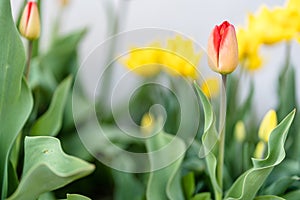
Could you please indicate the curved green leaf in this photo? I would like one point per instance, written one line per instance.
(50, 123)
(165, 183)
(247, 185)
(268, 197)
(202, 196)
(47, 167)
(15, 97)
(294, 195)
(188, 183)
(76, 197)
(209, 138)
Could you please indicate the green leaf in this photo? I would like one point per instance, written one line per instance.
(268, 197)
(202, 196)
(247, 185)
(47, 167)
(188, 182)
(209, 138)
(47, 196)
(59, 59)
(294, 195)
(76, 197)
(281, 185)
(127, 186)
(50, 123)
(165, 183)
(15, 97)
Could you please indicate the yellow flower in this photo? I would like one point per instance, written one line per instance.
(260, 150)
(267, 125)
(211, 87)
(181, 58)
(267, 26)
(240, 131)
(144, 61)
(249, 49)
(147, 123)
(177, 58)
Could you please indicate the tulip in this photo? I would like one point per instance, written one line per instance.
(223, 49)
(267, 125)
(30, 21)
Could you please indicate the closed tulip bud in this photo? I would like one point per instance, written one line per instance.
(223, 49)
(30, 21)
(267, 125)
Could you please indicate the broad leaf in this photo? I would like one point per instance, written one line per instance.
(209, 139)
(165, 183)
(15, 97)
(188, 183)
(294, 195)
(202, 196)
(76, 197)
(268, 197)
(47, 167)
(127, 186)
(50, 123)
(59, 59)
(247, 185)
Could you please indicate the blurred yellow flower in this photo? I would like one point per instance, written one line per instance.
(144, 61)
(249, 50)
(211, 87)
(147, 123)
(181, 58)
(240, 131)
(267, 26)
(178, 58)
(64, 2)
(267, 125)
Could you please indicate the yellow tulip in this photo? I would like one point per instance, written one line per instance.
(240, 131)
(267, 125)
(260, 150)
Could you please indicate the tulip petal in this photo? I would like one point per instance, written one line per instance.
(228, 52)
(212, 50)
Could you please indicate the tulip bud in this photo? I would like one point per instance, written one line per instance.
(260, 150)
(147, 123)
(267, 125)
(30, 21)
(223, 49)
(240, 131)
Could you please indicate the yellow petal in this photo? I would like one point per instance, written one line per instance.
(260, 150)
(267, 125)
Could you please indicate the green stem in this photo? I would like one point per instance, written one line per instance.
(222, 125)
(30, 45)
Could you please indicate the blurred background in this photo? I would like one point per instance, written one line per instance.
(193, 18)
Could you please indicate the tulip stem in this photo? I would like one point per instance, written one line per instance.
(222, 125)
(29, 54)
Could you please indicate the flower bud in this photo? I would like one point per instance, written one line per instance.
(240, 131)
(267, 125)
(30, 21)
(260, 150)
(147, 123)
(223, 49)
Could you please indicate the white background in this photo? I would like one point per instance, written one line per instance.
(194, 18)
